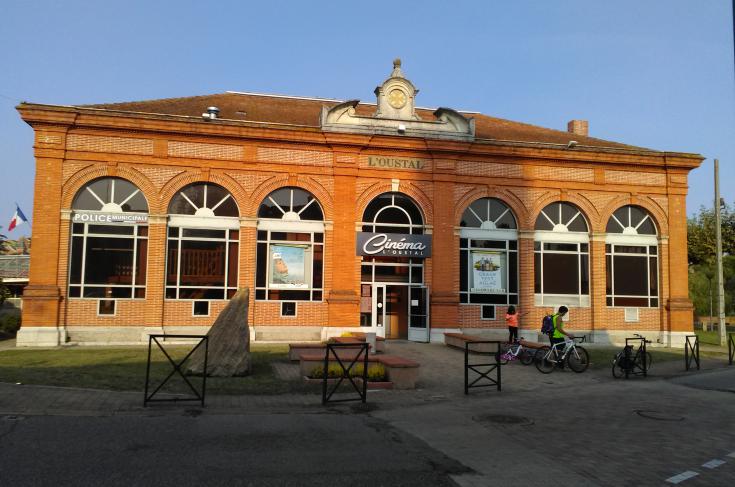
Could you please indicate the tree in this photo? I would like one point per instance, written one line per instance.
(701, 234)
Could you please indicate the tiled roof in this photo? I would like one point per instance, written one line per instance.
(306, 112)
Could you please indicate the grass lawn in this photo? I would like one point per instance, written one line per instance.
(711, 337)
(124, 368)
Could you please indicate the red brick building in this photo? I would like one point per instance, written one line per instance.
(345, 215)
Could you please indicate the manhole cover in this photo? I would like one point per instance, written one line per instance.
(658, 415)
(503, 419)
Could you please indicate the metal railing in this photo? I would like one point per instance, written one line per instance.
(730, 347)
(176, 368)
(691, 351)
(482, 369)
(344, 373)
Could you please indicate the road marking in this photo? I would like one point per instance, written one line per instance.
(682, 477)
(713, 463)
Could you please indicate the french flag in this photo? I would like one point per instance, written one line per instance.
(17, 219)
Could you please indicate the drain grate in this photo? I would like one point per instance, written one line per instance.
(503, 419)
(658, 415)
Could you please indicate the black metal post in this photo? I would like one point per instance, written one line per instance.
(731, 346)
(345, 371)
(645, 358)
(691, 351)
(627, 360)
(176, 369)
(475, 367)
(466, 368)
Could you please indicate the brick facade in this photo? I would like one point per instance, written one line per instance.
(160, 155)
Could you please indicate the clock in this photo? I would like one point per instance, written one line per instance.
(397, 98)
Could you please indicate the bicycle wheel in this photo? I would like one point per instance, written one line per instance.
(543, 364)
(639, 361)
(526, 357)
(578, 359)
(617, 368)
(504, 358)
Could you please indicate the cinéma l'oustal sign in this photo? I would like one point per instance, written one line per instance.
(393, 245)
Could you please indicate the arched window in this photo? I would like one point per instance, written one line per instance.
(392, 213)
(203, 244)
(631, 258)
(488, 255)
(109, 242)
(561, 257)
(290, 248)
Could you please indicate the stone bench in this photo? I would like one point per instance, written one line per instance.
(379, 341)
(458, 340)
(401, 371)
(296, 349)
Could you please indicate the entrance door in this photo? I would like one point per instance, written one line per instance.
(378, 309)
(418, 314)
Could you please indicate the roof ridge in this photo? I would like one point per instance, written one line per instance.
(176, 98)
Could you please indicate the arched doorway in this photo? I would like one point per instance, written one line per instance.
(393, 246)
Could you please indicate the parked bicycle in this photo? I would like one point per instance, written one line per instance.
(566, 352)
(516, 351)
(632, 363)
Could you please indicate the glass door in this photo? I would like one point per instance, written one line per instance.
(418, 314)
(378, 309)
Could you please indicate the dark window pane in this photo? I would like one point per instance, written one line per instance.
(170, 293)
(584, 273)
(463, 270)
(276, 204)
(288, 295)
(647, 227)
(478, 212)
(202, 263)
(407, 204)
(262, 235)
(542, 223)
(488, 312)
(512, 299)
(261, 269)
(417, 274)
(608, 274)
(366, 273)
(172, 263)
(75, 291)
(231, 293)
(219, 197)
(512, 272)
(568, 212)
(232, 265)
(489, 298)
(109, 261)
(141, 266)
(316, 296)
(203, 233)
(288, 309)
(234, 235)
(608, 248)
(391, 274)
(637, 214)
(623, 216)
(653, 250)
(537, 246)
(631, 276)
(201, 308)
(561, 274)
(180, 206)
(78, 228)
(201, 293)
(140, 293)
(128, 196)
(392, 215)
(463, 242)
(537, 272)
(653, 271)
(107, 292)
(513, 245)
(561, 247)
(489, 244)
(318, 237)
(85, 200)
(463, 298)
(318, 266)
(106, 307)
(173, 232)
(260, 294)
(142, 231)
(112, 229)
(583, 247)
(654, 303)
(630, 249)
(609, 301)
(637, 302)
(75, 266)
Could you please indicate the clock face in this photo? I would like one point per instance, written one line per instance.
(397, 98)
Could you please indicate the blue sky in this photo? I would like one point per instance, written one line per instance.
(656, 74)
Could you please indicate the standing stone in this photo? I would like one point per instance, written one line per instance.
(229, 341)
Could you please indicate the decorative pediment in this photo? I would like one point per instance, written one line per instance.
(396, 114)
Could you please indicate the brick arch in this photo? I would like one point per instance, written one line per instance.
(76, 182)
(308, 184)
(510, 199)
(588, 210)
(659, 217)
(235, 189)
(410, 190)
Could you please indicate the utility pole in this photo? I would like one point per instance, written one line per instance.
(718, 237)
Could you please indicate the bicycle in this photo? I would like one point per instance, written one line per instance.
(625, 362)
(516, 351)
(575, 356)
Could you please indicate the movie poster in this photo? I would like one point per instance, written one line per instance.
(488, 272)
(288, 267)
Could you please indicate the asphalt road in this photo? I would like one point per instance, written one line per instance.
(192, 449)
